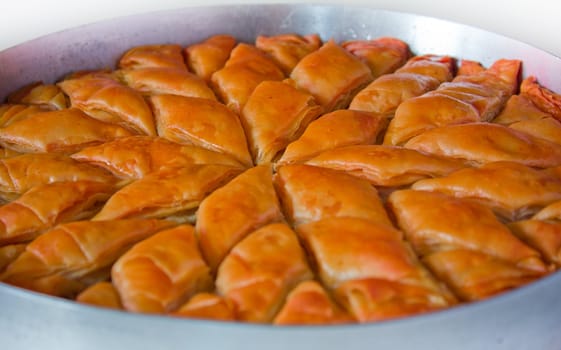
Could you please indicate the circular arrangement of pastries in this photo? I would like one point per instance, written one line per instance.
(286, 181)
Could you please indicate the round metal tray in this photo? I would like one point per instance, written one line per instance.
(526, 318)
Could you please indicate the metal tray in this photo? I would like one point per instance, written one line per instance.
(527, 318)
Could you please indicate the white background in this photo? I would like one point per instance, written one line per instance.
(537, 22)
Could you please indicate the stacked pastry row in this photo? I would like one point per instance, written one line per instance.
(290, 181)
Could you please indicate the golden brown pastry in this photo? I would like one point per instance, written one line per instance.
(276, 114)
(231, 212)
(163, 56)
(332, 75)
(288, 49)
(174, 192)
(176, 81)
(545, 99)
(9, 253)
(547, 128)
(160, 273)
(10, 113)
(136, 156)
(382, 55)
(310, 193)
(260, 271)
(77, 253)
(20, 173)
(473, 275)
(552, 211)
(519, 108)
(64, 131)
(385, 165)
(452, 235)
(543, 235)
(44, 206)
(469, 67)
(419, 75)
(106, 99)
(44, 95)
(480, 143)
(201, 122)
(102, 294)
(207, 306)
(336, 129)
(512, 190)
(375, 299)
(468, 98)
(309, 304)
(208, 56)
(245, 69)
(346, 249)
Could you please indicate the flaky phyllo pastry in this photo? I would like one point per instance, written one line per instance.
(294, 180)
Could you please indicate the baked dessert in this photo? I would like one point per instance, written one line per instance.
(289, 181)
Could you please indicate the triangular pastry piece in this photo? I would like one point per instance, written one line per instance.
(175, 81)
(78, 252)
(311, 193)
(174, 192)
(44, 206)
(47, 96)
(288, 49)
(332, 75)
(245, 69)
(64, 131)
(162, 56)
(207, 306)
(106, 99)
(231, 212)
(137, 156)
(385, 165)
(160, 273)
(512, 190)
(339, 128)
(382, 55)
(480, 143)
(20, 173)
(545, 99)
(543, 235)
(201, 122)
(309, 304)
(11, 113)
(276, 114)
(260, 271)
(208, 56)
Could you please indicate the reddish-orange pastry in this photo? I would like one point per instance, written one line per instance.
(519, 108)
(260, 271)
(20, 173)
(276, 114)
(545, 99)
(162, 56)
(332, 75)
(543, 235)
(382, 55)
(233, 211)
(339, 128)
(309, 304)
(176, 81)
(512, 190)
(44, 206)
(245, 69)
(77, 254)
(136, 156)
(9, 253)
(64, 131)
(207, 306)
(10, 113)
(101, 294)
(160, 273)
(45, 95)
(106, 99)
(288, 49)
(419, 75)
(173, 192)
(385, 165)
(480, 143)
(201, 122)
(310, 193)
(208, 56)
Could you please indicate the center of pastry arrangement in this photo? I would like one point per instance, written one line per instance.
(286, 181)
